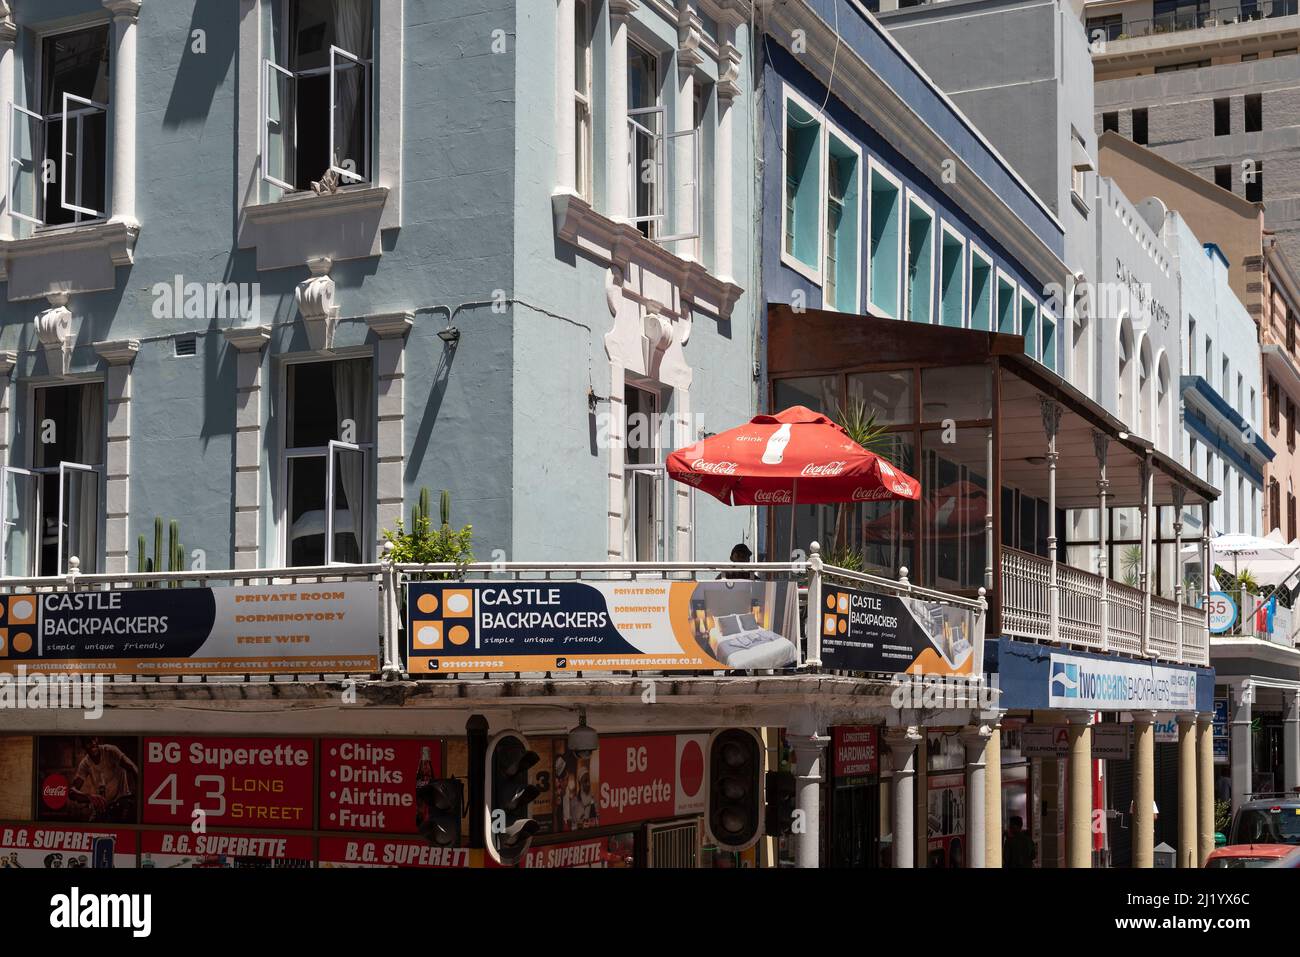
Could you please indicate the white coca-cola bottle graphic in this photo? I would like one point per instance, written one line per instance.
(774, 454)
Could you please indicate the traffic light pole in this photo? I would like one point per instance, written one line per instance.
(809, 746)
(476, 730)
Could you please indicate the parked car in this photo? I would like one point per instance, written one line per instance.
(1254, 855)
(1269, 819)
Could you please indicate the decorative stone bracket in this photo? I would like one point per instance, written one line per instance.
(54, 329)
(316, 304)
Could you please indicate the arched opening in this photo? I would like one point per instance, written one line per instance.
(1145, 398)
(1124, 371)
(1164, 427)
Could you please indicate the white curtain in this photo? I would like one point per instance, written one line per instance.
(352, 27)
(83, 487)
(354, 399)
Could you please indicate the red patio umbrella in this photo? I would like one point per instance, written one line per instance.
(793, 456)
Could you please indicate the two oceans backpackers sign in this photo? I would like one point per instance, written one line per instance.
(240, 629)
(869, 631)
(485, 626)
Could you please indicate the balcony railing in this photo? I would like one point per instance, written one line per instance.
(385, 637)
(1095, 613)
(1191, 18)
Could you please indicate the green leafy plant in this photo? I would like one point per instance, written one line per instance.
(420, 543)
(1222, 816)
(1130, 563)
(862, 427)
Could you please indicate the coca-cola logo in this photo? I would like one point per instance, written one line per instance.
(714, 468)
(779, 496)
(54, 792)
(871, 494)
(824, 469)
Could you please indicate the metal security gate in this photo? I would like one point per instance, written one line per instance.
(673, 845)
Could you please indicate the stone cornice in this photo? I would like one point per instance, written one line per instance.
(118, 352)
(620, 244)
(123, 9)
(247, 338)
(391, 325)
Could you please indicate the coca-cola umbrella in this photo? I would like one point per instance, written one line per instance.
(793, 456)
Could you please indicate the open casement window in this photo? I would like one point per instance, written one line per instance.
(885, 233)
(1008, 320)
(65, 493)
(952, 275)
(327, 462)
(58, 152)
(582, 99)
(920, 261)
(17, 512)
(665, 168)
(317, 94)
(840, 268)
(1029, 326)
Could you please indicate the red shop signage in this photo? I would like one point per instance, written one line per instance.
(855, 751)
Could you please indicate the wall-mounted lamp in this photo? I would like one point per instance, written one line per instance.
(450, 335)
(583, 740)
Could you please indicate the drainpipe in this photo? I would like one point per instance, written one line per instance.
(1148, 478)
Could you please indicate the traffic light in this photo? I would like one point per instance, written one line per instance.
(735, 820)
(509, 829)
(440, 803)
(779, 789)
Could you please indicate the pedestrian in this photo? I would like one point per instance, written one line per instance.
(1018, 849)
(739, 554)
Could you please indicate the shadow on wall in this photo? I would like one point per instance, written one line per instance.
(200, 74)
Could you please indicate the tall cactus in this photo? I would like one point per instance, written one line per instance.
(421, 511)
(444, 506)
(157, 545)
(141, 561)
(175, 550)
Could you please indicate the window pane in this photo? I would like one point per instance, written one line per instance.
(19, 508)
(307, 510)
(350, 538)
(316, 25)
(1029, 326)
(330, 400)
(75, 63)
(886, 219)
(920, 262)
(955, 503)
(956, 392)
(950, 282)
(981, 294)
(1006, 307)
(819, 393)
(69, 425)
(802, 184)
(840, 277)
(281, 104)
(1049, 342)
(887, 394)
(80, 520)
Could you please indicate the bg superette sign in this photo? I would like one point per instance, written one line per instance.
(178, 631)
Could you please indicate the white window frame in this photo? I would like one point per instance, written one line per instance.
(28, 501)
(812, 273)
(947, 229)
(661, 516)
(875, 167)
(584, 112)
(283, 517)
(973, 253)
(82, 215)
(1021, 301)
(346, 177)
(914, 200)
(830, 130)
(1000, 275)
(1046, 314)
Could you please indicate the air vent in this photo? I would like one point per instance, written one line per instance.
(187, 345)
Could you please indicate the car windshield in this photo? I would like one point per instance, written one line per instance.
(1222, 862)
(1268, 826)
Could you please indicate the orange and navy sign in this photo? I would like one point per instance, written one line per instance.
(869, 631)
(17, 625)
(600, 626)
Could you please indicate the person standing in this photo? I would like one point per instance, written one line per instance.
(1018, 849)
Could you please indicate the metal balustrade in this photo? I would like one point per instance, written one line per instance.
(1175, 634)
(1190, 18)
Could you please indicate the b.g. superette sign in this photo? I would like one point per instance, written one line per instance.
(1089, 683)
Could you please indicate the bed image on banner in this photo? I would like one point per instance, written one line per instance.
(601, 626)
(871, 631)
(240, 629)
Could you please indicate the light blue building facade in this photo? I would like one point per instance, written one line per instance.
(272, 266)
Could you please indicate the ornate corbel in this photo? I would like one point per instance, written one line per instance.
(54, 329)
(690, 33)
(657, 330)
(8, 29)
(315, 297)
